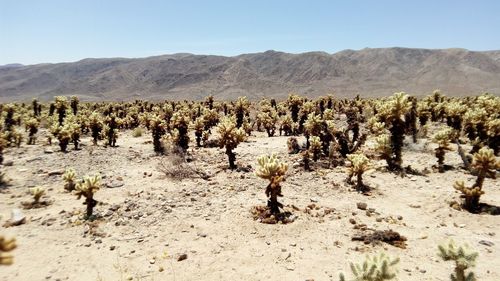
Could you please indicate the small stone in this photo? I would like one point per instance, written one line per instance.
(152, 261)
(16, 218)
(114, 184)
(8, 163)
(486, 243)
(423, 271)
(48, 151)
(352, 221)
(379, 219)
(416, 206)
(314, 200)
(400, 218)
(202, 235)
(112, 248)
(182, 257)
(56, 172)
(361, 205)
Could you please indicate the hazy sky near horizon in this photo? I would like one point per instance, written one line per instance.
(68, 30)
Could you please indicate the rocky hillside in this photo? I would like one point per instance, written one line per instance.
(368, 72)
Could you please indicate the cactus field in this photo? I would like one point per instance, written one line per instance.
(394, 188)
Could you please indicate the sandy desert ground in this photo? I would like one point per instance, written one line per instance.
(148, 221)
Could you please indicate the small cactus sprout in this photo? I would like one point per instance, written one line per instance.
(272, 169)
(359, 164)
(230, 137)
(485, 164)
(6, 245)
(315, 147)
(69, 177)
(37, 192)
(375, 268)
(463, 257)
(442, 138)
(87, 188)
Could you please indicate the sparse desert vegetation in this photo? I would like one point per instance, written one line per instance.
(162, 182)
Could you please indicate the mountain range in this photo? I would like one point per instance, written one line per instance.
(367, 72)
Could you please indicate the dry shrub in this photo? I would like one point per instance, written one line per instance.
(175, 166)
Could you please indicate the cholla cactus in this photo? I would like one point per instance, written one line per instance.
(69, 177)
(241, 109)
(64, 136)
(463, 257)
(180, 122)
(493, 132)
(268, 119)
(32, 128)
(376, 268)
(272, 169)
(313, 125)
(485, 164)
(383, 147)
(157, 126)
(392, 113)
(111, 129)
(287, 125)
(61, 104)
(6, 245)
(37, 192)
(442, 138)
(375, 127)
(74, 101)
(315, 147)
(230, 137)
(294, 104)
(95, 125)
(359, 164)
(198, 127)
(87, 188)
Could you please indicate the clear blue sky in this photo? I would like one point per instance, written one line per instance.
(68, 30)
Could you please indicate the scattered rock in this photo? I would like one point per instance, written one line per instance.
(8, 163)
(48, 151)
(486, 243)
(114, 184)
(112, 248)
(352, 221)
(182, 257)
(361, 205)
(16, 218)
(56, 172)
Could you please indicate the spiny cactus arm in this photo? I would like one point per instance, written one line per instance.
(6, 245)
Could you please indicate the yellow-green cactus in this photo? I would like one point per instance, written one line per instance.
(229, 137)
(87, 188)
(37, 192)
(463, 257)
(6, 245)
(274, 170)
(359, 164)
(315, 147)
(485, 164)
(374, 268)
(69, 177)
(442, 138)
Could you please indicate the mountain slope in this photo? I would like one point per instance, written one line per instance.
(368, 72)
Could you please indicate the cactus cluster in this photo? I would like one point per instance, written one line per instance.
(463, 257)
(485, 165)
(375, 268)
(229, 138)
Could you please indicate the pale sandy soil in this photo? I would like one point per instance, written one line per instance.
(210, 220)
